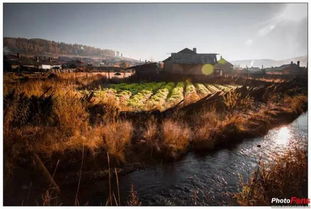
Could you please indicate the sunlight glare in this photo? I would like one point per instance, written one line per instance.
(294, 12)
(282, 136)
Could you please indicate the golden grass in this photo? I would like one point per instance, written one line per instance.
(234, 100)
(71, 115)
(191, 98)
(286, 177)
(176, 136)
(117, 137)
(68, 129)
(203, 134)
(151, 130)
(296, 103)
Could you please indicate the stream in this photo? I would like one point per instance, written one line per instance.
(208, 179)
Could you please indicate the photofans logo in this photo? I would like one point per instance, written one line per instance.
(292, 201)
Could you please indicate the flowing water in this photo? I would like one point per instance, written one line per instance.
(208, 179)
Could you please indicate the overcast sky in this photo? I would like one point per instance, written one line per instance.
(152, 31)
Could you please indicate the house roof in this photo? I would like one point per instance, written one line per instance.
(167, 59)
(187, 51)
(289, 65)
(188, 56)
(222, 61)
(147, 66)
(292, 66)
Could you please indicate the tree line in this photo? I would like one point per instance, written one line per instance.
(42, 47)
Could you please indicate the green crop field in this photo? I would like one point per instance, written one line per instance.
(155, 95)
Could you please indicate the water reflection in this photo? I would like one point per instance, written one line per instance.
(282, 136)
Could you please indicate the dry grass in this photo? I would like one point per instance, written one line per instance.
(133, 198)
(151, 130)
(285, 178)
(117, 137)
(50, 198)
(176, 136)
(296, 103)
(191, 98)
(234, 100)
(61, 122)
(204, 130)
(71, 114)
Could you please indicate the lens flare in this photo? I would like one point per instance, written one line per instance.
(207, 69)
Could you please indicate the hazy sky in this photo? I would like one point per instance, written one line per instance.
(152, 31)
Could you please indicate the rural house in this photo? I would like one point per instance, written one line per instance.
(146, 70)
(292, 68)
(189, 62)
(288, 69)
(46, 66)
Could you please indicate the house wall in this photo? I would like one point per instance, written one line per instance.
(45, 67)
(196, 69)
(185, 69)
(168, 67)
(15, 66)
(57, 66)
(292, 70)
(226, 68)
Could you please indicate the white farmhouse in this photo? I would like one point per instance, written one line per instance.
(49, 66)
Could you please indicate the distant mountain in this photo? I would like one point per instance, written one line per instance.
(52, 48)
(270, 62)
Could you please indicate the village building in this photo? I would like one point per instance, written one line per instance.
(17, 63)
(288, 69)
(50, 66)
(76, 63)
(11, 63)
(291, 68)
(189, 62)
(145, 71)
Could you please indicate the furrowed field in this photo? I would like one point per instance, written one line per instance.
(155, 95)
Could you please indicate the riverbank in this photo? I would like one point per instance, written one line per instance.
(234, 131)
(200, 179)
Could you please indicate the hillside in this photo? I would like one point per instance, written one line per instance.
(52, 48)
(270, 62)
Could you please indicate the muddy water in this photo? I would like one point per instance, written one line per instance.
(206, 179)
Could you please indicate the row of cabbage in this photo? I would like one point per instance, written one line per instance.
(139, 99)
(157, 95)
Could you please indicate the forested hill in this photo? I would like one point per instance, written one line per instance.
(46, 47)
